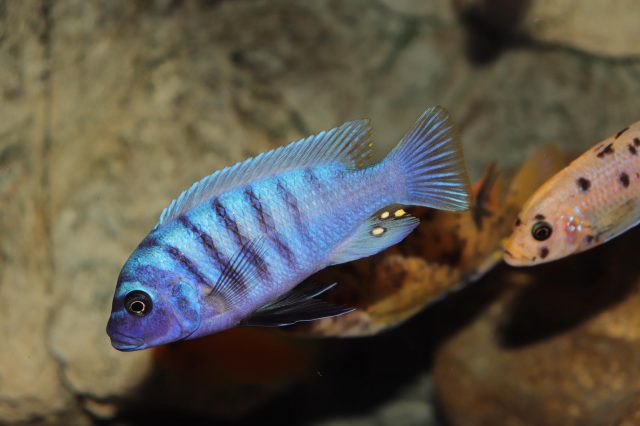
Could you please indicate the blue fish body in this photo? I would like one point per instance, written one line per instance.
(234, 247)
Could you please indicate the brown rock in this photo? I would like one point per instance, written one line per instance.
(562, 350)
(112, 108)
(29, 381)
(579, 24)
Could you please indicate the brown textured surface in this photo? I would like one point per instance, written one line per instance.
(558, 346)
(111, 108)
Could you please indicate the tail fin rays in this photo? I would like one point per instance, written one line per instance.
(430, 159)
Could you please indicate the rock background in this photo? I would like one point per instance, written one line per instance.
(111, 108)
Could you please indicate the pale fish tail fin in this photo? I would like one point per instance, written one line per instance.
(429, 164)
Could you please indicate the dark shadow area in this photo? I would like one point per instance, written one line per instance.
(348, 377)
(568, 292)
(351, 377)
(493, 26)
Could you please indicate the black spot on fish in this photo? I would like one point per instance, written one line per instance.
(518, 221)
(633, 150)
(636, 141)
(544, 252)
(583, 183)
(605, 151)
(589, 239)
(624, 179)
(621, 132)
(539, 217)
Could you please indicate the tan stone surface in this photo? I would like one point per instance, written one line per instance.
(605, 28)
(29, 377)
(559, 350)
(602, 27)
(111, 108)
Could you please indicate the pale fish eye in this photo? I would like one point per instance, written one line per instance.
(541, 231)
(138, 303)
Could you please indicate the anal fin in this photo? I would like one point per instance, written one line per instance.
(380, 231)
(299, 304)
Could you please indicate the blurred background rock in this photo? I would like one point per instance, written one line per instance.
(110, 108)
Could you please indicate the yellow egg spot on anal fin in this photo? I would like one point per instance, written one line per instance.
(399, 213)
(378, 230)
(384, 215)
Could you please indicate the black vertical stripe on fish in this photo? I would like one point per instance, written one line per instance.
(232, 285)
(148, 242)
(232, 226)
(291, 202)
(220, 260)
(268, 227)
(186, 263)
(311, 179)
(264, 219)
(229, 223)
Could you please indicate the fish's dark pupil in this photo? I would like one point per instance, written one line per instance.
(138, 303)
(541, 231)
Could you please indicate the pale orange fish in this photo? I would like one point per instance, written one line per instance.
(589, 202)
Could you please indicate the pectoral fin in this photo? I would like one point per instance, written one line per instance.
(299, 304)
(619, 220)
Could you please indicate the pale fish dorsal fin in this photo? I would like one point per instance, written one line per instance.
(380, 231)
(299, 304)
(349, 144)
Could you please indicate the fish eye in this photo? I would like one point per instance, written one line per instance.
(138, 303)
(540, 231)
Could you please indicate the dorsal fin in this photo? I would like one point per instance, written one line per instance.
(349, 144)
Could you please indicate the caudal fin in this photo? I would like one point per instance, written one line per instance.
(429, 158)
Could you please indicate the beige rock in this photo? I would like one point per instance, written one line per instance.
(29, 383)
(112, 108)
(441, 9)
(600, 27)
(562, 350)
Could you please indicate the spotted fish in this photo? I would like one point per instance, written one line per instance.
(233, 248)
(589, 202)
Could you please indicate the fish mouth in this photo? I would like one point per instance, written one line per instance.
(125, 343)
(513, 257)
(514, 260)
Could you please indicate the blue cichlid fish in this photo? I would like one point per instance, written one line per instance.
(232, 249)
